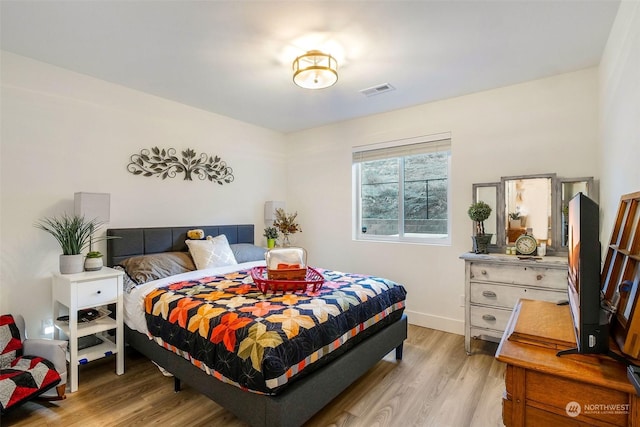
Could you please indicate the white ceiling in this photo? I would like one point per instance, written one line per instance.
(234, 57)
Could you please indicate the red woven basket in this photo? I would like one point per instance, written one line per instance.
(313, 279)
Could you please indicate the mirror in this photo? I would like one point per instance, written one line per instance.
(488, 193)
(566, 188)
(528, 207)
(536, 202)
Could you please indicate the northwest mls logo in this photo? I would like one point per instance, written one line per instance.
(573, 409)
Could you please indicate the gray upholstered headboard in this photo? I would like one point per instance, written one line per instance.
(141, 241)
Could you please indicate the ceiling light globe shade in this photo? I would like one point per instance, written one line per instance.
(315, 70)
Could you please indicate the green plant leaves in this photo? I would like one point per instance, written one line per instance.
(73, 233)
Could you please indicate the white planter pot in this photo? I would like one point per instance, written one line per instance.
(70, 264)
(93, 264)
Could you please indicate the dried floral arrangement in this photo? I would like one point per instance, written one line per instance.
(286, 223)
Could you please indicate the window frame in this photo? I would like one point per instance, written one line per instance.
(357, 233)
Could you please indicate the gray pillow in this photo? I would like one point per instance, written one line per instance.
(145, 268)
(246, 252)
(127, 283)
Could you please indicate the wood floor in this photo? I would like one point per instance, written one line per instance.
(436, 384)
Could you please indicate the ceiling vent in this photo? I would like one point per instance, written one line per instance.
(376, 90)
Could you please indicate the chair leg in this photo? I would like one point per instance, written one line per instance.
(60, 390)
(61, 396)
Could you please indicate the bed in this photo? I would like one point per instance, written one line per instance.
(267, 392)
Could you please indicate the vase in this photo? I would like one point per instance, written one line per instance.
(481, 242)
(93, 264)
(271, 243)
(70, 264)
(285, 241)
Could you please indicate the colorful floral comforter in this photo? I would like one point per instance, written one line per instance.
(231, 330)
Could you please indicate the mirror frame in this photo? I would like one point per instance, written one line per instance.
(591, 193)
(499, 213)
(556, 199)
(503, 205)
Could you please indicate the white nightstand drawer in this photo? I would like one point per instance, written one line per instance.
(97, 292)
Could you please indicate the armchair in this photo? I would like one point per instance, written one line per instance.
(28, 367)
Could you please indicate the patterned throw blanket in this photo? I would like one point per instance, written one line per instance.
(231, 330)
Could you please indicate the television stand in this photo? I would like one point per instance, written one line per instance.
(543, 389)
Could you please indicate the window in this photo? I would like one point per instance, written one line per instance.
(401, 190)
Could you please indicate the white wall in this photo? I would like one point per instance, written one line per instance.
(620, 114)
(64, 132)
(542, 126)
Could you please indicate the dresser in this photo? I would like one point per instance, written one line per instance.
(543, 389)
(495, 282)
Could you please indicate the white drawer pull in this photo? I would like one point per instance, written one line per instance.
(488, 317)
(488, 294)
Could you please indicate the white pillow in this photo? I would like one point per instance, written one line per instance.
(210, 253)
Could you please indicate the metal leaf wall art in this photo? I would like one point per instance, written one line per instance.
(165, 164)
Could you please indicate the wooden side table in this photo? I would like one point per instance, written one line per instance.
(89, 289)
(543, 389)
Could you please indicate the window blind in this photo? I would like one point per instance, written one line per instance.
(401, 148)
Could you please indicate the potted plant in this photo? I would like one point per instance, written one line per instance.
(479, 212)
(514, 220)
(286, 225)
(93, 261)
(271, 233)
(74, 234)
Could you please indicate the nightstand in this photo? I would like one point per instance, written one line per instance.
(89, 289)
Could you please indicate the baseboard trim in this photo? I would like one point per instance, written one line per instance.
(445, 324)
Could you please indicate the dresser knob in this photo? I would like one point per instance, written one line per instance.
(488, 294)
(99, 292)
(484, 272)
(539, 277)
(488, 317)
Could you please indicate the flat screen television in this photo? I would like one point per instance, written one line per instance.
(590, 318)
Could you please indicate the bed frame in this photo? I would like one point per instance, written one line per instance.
(303, 397)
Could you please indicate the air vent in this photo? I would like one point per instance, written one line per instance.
(376, 90)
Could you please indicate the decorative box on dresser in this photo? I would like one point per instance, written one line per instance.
(495, 282)
(90, 289)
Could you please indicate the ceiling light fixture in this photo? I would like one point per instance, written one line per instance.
(315, 70)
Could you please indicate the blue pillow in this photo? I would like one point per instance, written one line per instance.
(246, 252)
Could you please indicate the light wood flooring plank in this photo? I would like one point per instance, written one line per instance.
(436, 384)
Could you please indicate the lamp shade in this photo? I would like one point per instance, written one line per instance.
(270, 211)
(315, 70)
(93, 206)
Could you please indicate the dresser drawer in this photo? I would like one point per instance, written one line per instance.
(507, 296)
(491, 318)
(97, 292)
(594, 400)
(520, 275)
